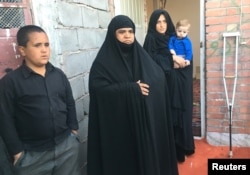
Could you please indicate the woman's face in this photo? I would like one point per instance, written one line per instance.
(125, 35)
(161, 25)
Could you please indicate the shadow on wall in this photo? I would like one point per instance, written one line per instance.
(5, 164)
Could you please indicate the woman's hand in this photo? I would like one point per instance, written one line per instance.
(176, 66)
(144, 88)
(180, 61)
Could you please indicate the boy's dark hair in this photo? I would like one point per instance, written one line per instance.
(23, 34)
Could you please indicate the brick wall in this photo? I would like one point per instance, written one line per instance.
(223, 16)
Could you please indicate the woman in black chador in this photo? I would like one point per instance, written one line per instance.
(130, 128)
(179, 80)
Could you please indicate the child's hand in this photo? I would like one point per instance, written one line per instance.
(179, 60)
(187, 62)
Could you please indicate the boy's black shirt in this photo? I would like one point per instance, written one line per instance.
(36, 112)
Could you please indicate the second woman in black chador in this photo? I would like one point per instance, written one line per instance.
(179, 80)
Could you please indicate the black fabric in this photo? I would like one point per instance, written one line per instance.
(36, 112)
(181, 90)
(128, 133)
(6, 167)
(179, 80)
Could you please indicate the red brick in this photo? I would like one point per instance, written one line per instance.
(213, 74)
(216, 116)
(214, 95)
(232, 19)
(245, 9)
(245, 2)
(245, 130)
(214, 20)
(213, 109)
(214, 59)
(233, 11)
(214, 122)
(216, 28)
(245, 109)
(245, 26)
(212, 4)
(214, 67)
(226, 3)
(212, 36)
(215, 129)
(216, 12)
(247, 123)
(244, 73)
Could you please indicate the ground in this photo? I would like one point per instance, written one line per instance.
(196, 164)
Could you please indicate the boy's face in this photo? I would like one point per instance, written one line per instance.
(37, 50)
(182, 31)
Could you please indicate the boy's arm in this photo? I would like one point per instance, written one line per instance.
(70, 102)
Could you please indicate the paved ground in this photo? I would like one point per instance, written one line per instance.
(194, 165)
(197, 163)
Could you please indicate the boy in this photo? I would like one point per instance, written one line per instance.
(180, 44)
(37, 111)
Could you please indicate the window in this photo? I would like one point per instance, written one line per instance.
(132, 8)
(13, 14)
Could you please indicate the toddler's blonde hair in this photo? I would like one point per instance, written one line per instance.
(183, 22)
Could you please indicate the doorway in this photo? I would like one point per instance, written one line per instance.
(14, 14)
(194, 11)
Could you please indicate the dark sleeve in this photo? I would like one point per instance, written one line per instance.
(170, 43)
(110, 117)
(71, 109)
(7, 123)
(162, 57)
